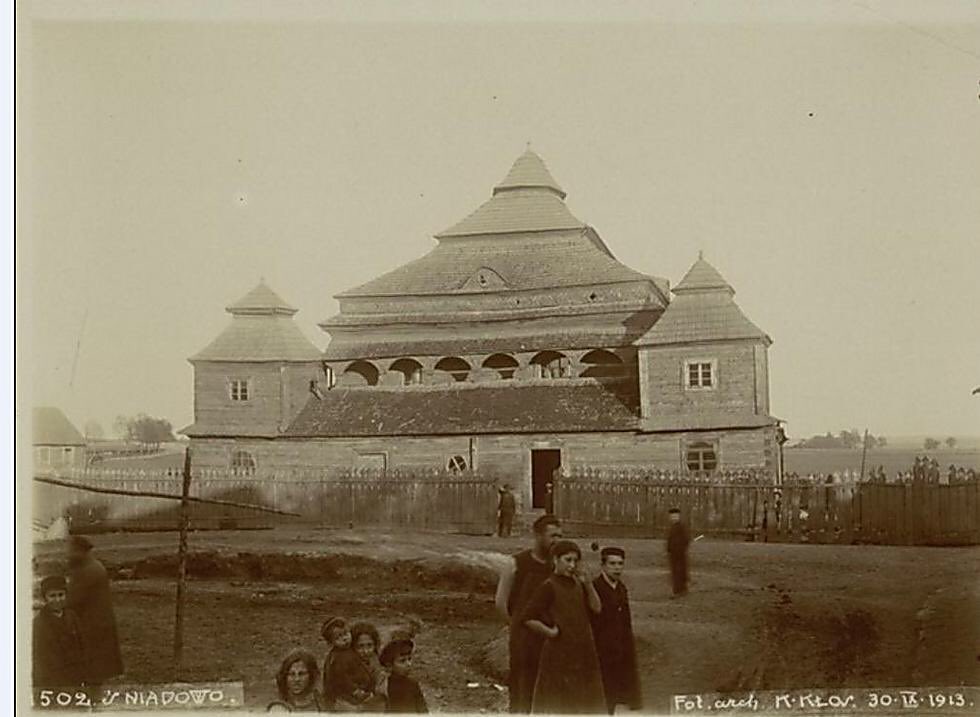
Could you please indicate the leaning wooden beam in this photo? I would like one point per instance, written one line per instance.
(166, 496)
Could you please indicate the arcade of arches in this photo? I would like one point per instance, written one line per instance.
(549, 364)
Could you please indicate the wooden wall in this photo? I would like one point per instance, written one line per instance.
(741, 381)
(277, 392)
(504, 457)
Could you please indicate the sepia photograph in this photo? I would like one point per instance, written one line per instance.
(497, 358)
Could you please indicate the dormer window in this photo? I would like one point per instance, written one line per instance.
(238, 389)
(700, 374)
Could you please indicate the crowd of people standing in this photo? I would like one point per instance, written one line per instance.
(571, 643)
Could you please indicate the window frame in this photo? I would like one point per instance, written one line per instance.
(712, 363)
(233, 382)
(243, 469)
(701, 445)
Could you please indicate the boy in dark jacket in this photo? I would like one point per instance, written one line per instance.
(404, 694)
(612, 629)
(678, 540)
(57, 641)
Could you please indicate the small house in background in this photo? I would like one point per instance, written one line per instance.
(57, 443)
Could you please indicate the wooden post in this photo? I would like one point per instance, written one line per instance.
(182, 564)
(864, 455)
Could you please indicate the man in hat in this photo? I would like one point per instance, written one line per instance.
(522, 575)
(90, 598)
(506, 509)
(403, 693)
(612, 629)
(678, 540)
(57, 642)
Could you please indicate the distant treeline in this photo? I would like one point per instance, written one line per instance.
(844, 439)
(853, 439)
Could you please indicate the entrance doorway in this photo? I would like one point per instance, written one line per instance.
(544, 463)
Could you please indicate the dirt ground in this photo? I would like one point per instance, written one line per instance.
(759, 616)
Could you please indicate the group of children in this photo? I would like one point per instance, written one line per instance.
(358, 674)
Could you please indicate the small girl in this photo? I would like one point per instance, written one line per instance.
(355, 677)
(569, 680)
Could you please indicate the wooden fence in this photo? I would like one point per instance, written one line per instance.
(437, 500)
(892, 514)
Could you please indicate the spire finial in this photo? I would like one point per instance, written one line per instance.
(527, 146)
(700, 254)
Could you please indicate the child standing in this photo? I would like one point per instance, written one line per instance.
(338, 638)
(613, 631)
(404, 694)
(569, 680)
(57, 643)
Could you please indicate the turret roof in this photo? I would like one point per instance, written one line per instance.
(262, 329)
(260, 300)
(527, 200)
(529, 172)
(702, 276)
(703, 310)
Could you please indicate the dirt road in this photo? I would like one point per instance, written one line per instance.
(759, 616)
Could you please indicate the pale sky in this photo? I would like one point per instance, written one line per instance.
(828, 165)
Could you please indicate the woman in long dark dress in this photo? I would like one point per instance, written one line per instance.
(569, 680)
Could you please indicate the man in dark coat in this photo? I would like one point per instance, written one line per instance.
(678, 540)
(57, 642)
(89, 597)
(524, 573)
(506, 509)
(613, 632)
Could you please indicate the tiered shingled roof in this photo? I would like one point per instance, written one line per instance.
(538, 244)
(703, 310)
(51, 427)
(528, 200)
(261, 329)
(566, 258)
(558, 407)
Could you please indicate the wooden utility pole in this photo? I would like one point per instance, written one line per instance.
(864, 455)
(182, 564)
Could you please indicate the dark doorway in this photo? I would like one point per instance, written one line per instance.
(544, 463)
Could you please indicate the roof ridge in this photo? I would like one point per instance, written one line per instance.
(261, 300)
(702, 276)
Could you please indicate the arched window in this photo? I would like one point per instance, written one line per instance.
(551, 364)
(242, 462)
(456, 464)
(503, 364)
(455, 367)
(601, 364)
(702, 459)
(410, 369)
(362, 373)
